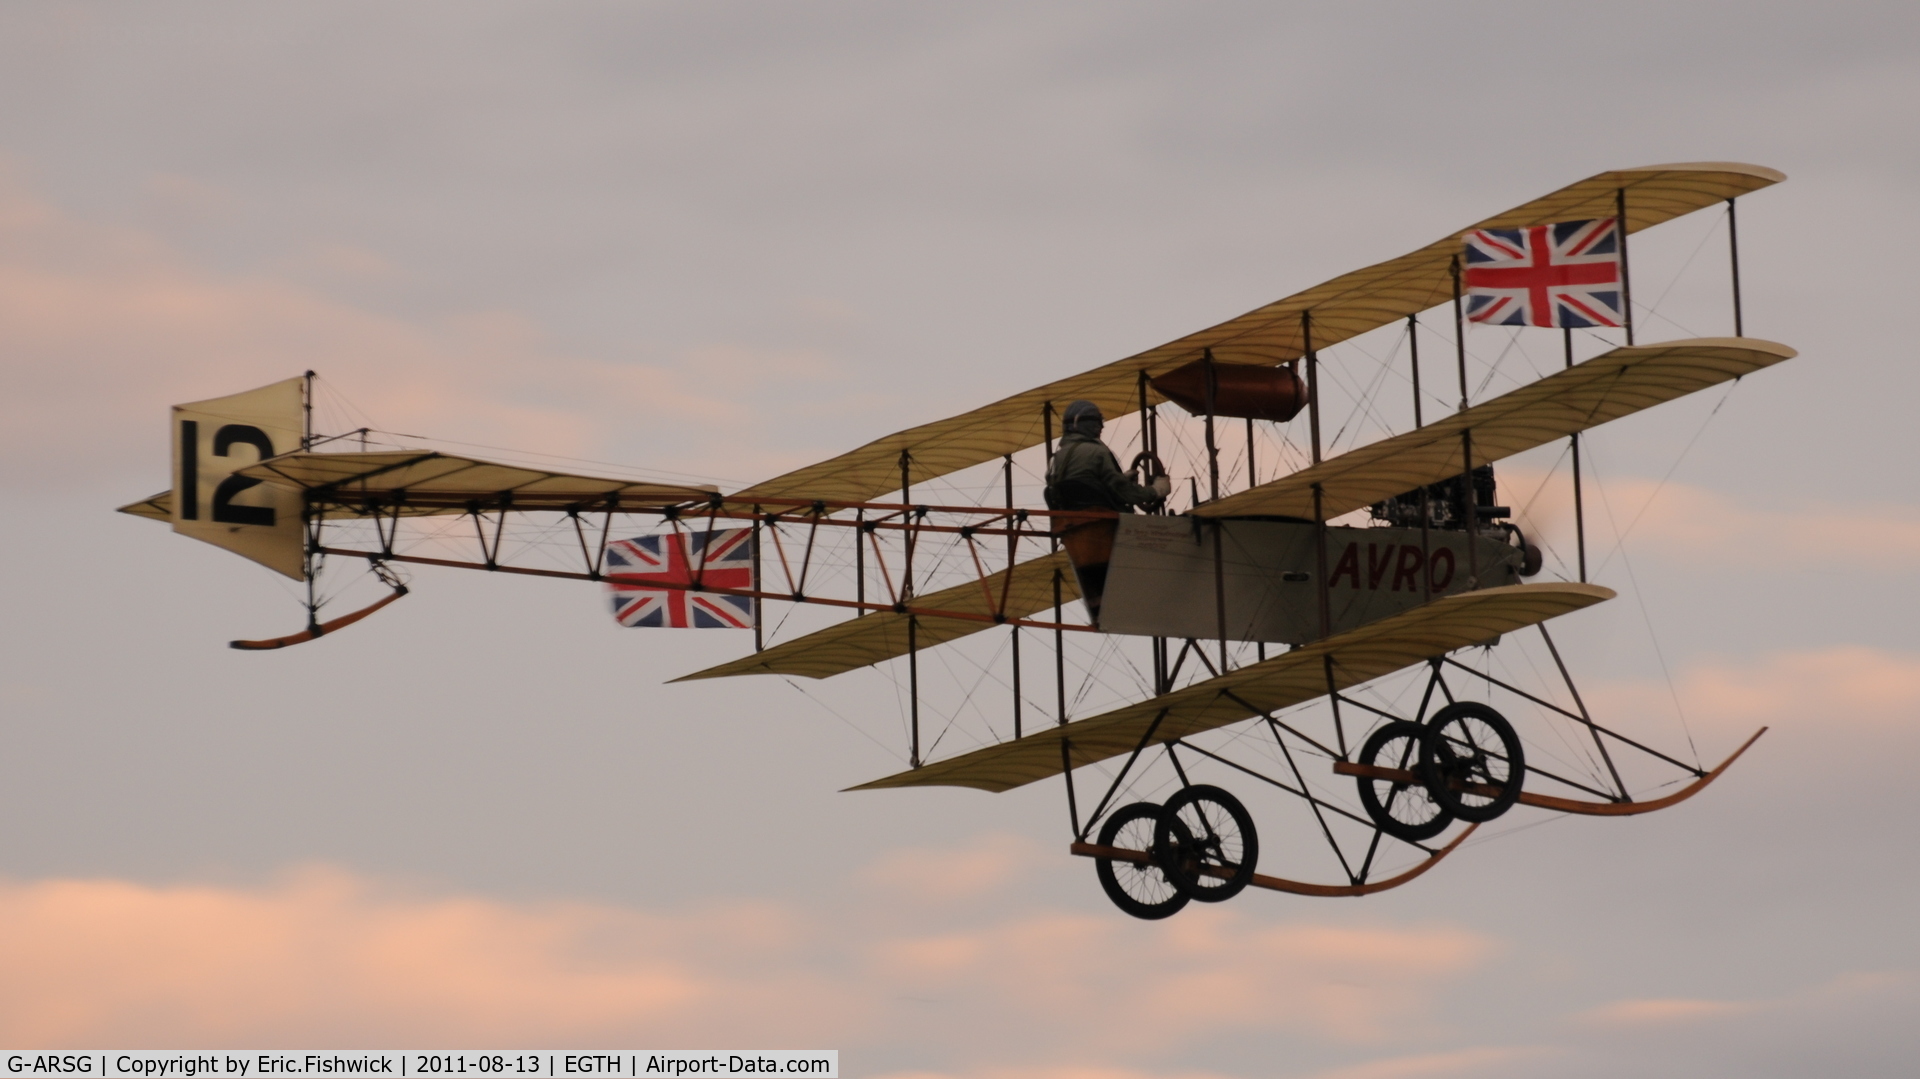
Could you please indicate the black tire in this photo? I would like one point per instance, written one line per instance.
(1470, 744)
(1142, 889)
(1402, 810)
(1209, 841)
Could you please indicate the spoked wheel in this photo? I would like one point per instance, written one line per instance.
(1404, 810)
(1214, 858)
(1472, 761)
(1142, 889)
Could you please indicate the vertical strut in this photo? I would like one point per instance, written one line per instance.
(1213, 451)
(1059, 654)
(1472, 500)
(1320, 567)
(1413, 346)
(1733, 252)
(759, 631)
(1013, 552)
(1459, 333)
(1626, 280)
(1220, 588)
(1319, 517)
(1469, 498)
(1313, 381)
(306, 411)
(1579, 505)
(859, 561)
(913, 684)
(1213, 495)
(1252, 479)
(909, 534)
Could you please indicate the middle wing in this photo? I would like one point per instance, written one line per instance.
(1606, 387)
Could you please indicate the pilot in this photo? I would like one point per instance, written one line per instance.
(1084, 474)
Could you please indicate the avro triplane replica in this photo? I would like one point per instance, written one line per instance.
(1328, 630)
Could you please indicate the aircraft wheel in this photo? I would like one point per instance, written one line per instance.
(1473, 747)
(1402, 810)
(1214, 858)
(1142, 889)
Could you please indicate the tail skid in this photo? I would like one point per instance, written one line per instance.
(321, 628)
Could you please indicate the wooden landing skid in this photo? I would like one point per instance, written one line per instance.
(1281, 884)
(1565, 805)
(320, 630)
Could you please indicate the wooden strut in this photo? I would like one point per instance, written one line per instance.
(1564, 805)
(1281, 884)
(323, 628)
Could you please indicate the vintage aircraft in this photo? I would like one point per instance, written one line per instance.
(1176, 608)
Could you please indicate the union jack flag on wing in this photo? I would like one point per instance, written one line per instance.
(689, 560)
(1565, 274)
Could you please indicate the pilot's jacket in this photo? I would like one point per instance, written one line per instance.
(1085, 475)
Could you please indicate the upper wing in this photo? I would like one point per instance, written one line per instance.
(1585, 395)
(1372, 651)
(1344, 307)
(423, 483)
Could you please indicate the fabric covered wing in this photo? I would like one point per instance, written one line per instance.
(862, 642)
(1606, 387)
(1344, 307)
(1372, 651)
(425, 483)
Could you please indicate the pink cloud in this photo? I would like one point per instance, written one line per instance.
(326, 957)
(1699, 526)
(1217, 969)
(1850, 989)
(323, 956)
(1474, 1061)
(1852, 684)
(948, 875)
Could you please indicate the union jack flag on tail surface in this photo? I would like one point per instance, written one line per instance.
(1565, 274)
(722, 559)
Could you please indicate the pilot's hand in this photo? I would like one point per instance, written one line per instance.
(1162, 486)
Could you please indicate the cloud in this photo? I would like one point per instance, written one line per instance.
(107, 326)
(948, 875)
(1858, 685)
(1697, 526)
(325, 956)
(1474, 1061)
(1639, 1013)
(1216, 970)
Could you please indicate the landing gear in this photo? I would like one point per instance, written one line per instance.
(1402, 809)
(1141, 888)
(1472, 761)
(1216, 859)
(1200, 845)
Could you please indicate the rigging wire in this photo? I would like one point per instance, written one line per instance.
(835, 714)
(1639, 599)
(1648, 504)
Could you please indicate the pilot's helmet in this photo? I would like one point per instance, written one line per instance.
(1084, 417)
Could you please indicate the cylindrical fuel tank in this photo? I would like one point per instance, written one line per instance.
(1240, 390)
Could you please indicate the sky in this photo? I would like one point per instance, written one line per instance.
(730, 239)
